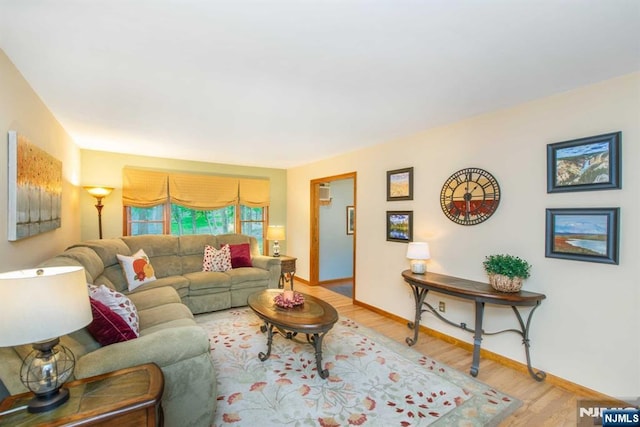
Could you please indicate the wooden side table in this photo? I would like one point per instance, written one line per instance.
(128, 397)
(287, 270)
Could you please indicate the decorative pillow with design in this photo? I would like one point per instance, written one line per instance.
(240, 255)
(137, 269)
(216, 259)
(119, 304)
(107, 327)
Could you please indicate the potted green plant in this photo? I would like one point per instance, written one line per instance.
(506, 272)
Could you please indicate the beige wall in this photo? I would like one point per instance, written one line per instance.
(102, 168)
(586, 330)
(23, 111)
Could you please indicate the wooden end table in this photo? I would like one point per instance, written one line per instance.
(287, 270)
(314, 318)
(128, 397)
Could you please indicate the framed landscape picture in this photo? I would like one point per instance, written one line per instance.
(400, 184)
(399, 226)
(583, 234)
(584, 164)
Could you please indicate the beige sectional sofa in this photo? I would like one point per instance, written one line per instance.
(169, 335)
(177, 262)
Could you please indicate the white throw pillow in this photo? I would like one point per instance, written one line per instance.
(216, 259)
(118, 303)
(137, 269)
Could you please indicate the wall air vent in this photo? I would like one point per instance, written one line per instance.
(325, 192)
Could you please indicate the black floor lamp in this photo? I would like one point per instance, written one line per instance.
(99, 193)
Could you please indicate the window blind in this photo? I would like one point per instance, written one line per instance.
(203, 192)
(144, 189)
(255, 192)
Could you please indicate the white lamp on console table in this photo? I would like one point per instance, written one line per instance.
(418, 253)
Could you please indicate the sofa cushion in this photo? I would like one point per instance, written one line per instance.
(107, 327)
(194, 244)
(163, 314)
(240, 255)
(137, 269)
(118, 303)
(240, 277)
(203, 282)
(106, 249)
(216, 259)
(179, 283)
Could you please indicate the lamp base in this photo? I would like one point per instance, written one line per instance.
(44, 403)
(44, 371)
(418, 266)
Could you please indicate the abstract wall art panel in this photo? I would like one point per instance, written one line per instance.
(35, 189)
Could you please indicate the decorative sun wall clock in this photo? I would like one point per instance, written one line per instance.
(470, 196)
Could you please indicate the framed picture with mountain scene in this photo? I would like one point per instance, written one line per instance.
(583, 234)
(584, 164)
(399, 226)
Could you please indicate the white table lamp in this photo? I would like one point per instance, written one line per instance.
(275, 233)
(38, 306)
(418, 253)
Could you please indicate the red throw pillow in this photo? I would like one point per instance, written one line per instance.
(240, 255)
(108, 327)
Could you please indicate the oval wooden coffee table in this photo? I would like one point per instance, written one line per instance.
(314, 318)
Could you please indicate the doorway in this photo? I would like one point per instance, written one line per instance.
(333, 239)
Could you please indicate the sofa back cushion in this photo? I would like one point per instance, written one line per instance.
(192, 251)
(107, 251)
(162, 250)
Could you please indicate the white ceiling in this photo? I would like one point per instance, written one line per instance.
(281, 83)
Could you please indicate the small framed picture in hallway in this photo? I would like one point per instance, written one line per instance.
(351, 219)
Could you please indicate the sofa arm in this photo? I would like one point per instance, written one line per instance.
(154, 297)
(164, 347)
(269, 263)
(265, 262)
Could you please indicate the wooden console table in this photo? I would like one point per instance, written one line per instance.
(481, 293)
(126, 398)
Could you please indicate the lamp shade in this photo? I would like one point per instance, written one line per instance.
(41, 304)
(418, 250)
(275, 232)
(98, 191)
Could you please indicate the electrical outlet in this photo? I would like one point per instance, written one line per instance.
(442, 307)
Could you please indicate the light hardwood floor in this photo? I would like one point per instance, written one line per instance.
(543, 404)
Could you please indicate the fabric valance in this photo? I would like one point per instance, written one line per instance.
(203, 192)
(255, 192)
(144, 189)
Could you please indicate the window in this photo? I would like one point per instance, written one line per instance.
(190, 221)
(185, 221)
(145, 220)
(252, 223)
(158, 202)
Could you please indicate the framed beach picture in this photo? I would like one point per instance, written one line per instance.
(584, 164)
(399, 226)
(400, 184)
(583, 234)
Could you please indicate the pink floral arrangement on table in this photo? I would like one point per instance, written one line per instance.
(288, 299)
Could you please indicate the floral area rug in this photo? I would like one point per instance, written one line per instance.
(373, 380)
